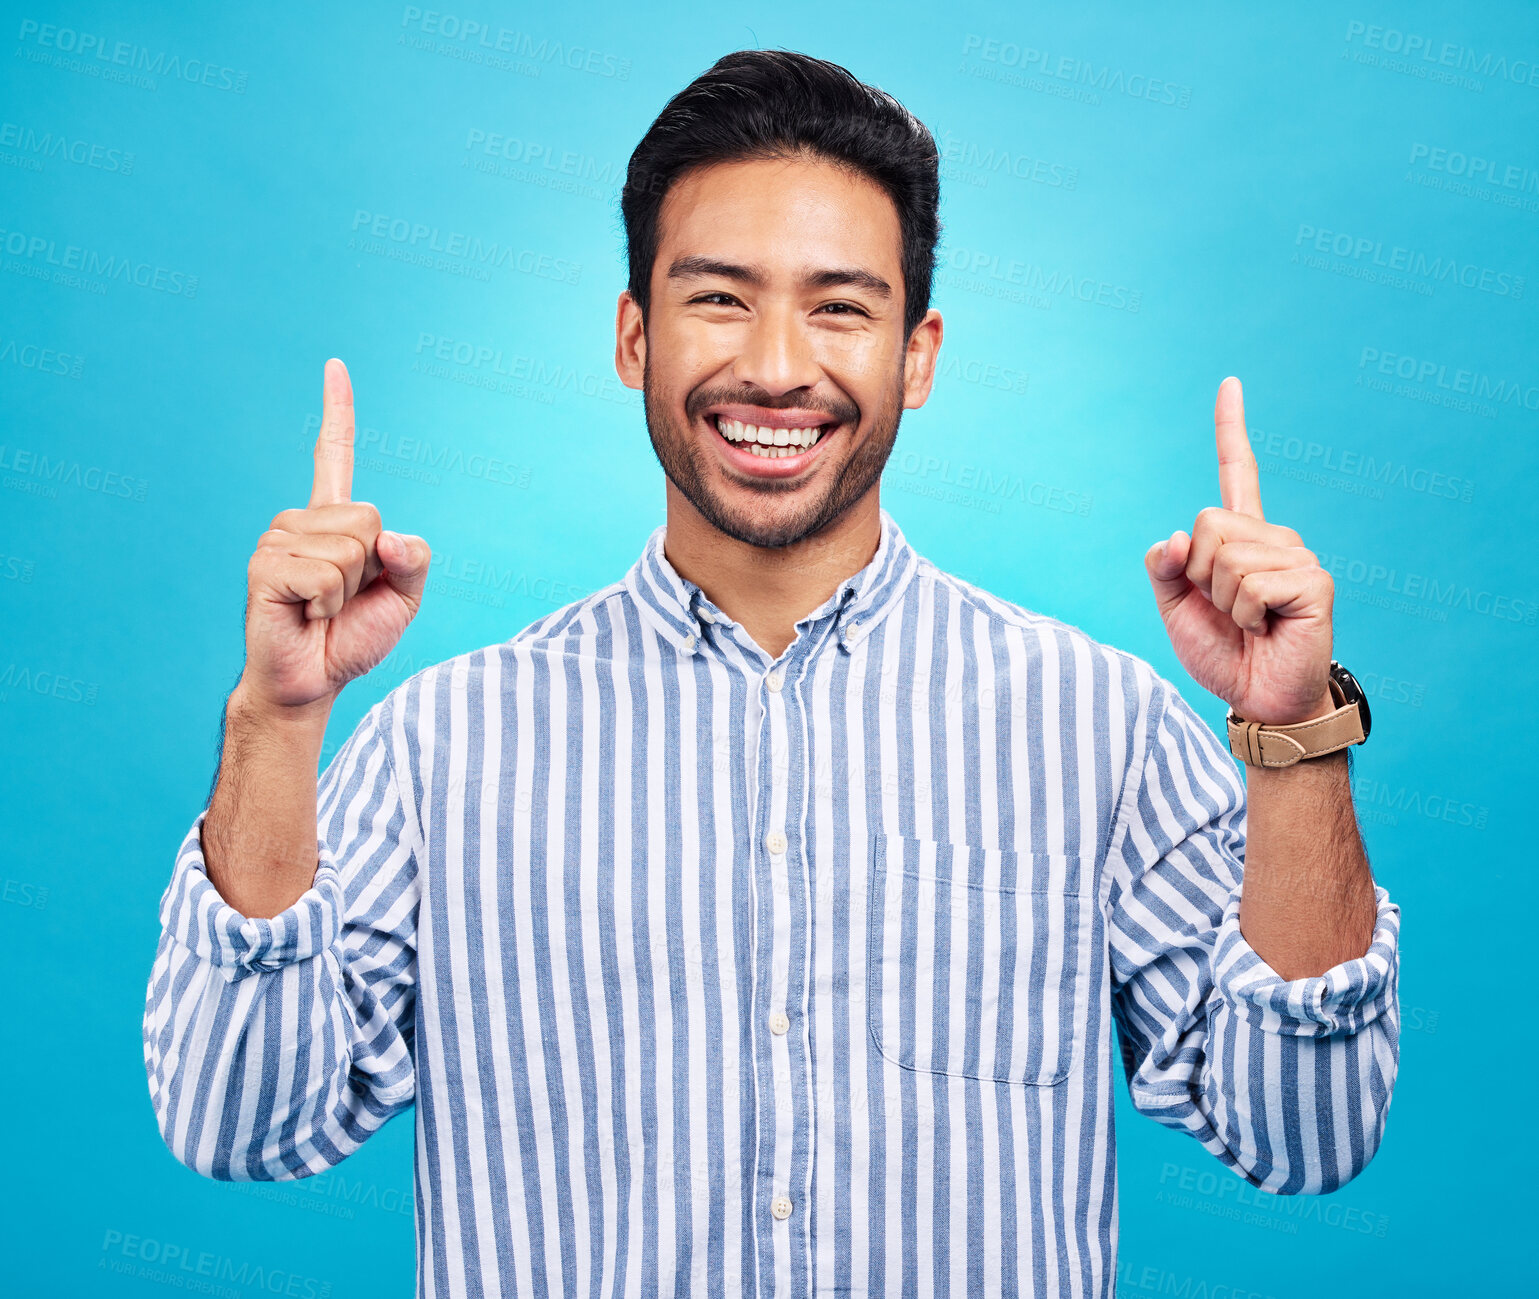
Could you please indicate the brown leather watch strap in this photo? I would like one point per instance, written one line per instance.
(1258, 745)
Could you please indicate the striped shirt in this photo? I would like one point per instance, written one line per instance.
(711, 973)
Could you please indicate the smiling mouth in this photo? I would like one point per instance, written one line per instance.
(769, 443)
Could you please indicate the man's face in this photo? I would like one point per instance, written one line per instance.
(777, 304)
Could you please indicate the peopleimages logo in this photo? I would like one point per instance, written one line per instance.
(1385, 804)
(976, 164)
(1426, 55)
(536, 153)
(514, 374)
(989, 273)
(1469, 175)
(45, 360)
(34, 146)
(1472, 167)
(470, 33)
(39, 474)
(419, 244)
(1421, 595)
(40, 253)
(1265, 1208)
(1466, 383)
(202, 1271)
(979, 486)
(986, 374)
(1361, 473)
(1077, 72)
(43, 681)
(427, 458)
(106, 55)
(1365, 257)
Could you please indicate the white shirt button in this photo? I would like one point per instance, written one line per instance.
(852, 633)
(779, 1022)
(706, 615)
(775, 841)
(690, 642)
(775, 679)
(780, 1207)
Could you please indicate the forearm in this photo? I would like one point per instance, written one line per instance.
(1307, 902)
(259, 838)
(317, 1001)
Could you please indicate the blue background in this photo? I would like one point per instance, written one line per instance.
(151, 431)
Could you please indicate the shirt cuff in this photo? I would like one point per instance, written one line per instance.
(1346, 998)
(193, 912)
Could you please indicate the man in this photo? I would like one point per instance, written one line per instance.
(759, 923)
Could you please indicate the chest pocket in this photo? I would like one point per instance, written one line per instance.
(978, 960)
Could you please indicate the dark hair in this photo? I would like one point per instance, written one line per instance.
(755, 104)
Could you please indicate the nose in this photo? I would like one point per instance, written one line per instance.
(777, 354)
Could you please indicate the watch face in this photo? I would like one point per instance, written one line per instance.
(1354, 694)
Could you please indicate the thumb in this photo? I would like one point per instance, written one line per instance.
(1165, 562)
(406, 560)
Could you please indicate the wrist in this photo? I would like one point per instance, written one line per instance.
(247, 710)
(1330, 725)
(1326, 705)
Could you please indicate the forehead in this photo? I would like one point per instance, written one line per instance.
(789, 211)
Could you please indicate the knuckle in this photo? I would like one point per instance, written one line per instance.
(369, 513)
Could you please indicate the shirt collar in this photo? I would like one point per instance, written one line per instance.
(684, 616)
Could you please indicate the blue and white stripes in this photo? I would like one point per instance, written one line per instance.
(710, 974)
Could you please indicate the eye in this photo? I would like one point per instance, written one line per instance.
(726, 299)
(843, 309)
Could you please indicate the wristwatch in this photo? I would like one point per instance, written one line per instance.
(1258, 745)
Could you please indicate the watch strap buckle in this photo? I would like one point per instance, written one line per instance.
(1245, 742)
(1258, 745)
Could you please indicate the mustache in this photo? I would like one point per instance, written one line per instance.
(840, 410)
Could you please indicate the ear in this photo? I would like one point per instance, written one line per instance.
(630, 342)
(919, 360)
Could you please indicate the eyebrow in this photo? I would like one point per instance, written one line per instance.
(686, 268)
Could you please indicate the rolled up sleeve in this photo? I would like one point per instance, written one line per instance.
(195, 915)
(1286, 1081)
(274, 1047)
(1345, 999)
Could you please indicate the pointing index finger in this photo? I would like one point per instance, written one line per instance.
(333, 484)
(1239, 482)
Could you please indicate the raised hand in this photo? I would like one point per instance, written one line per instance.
(328, 593)
(1246, 606)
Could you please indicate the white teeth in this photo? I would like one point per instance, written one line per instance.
(767, 443)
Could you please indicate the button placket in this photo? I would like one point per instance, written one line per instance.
(780, 705)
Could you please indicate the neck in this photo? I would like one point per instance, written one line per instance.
(767, 590)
